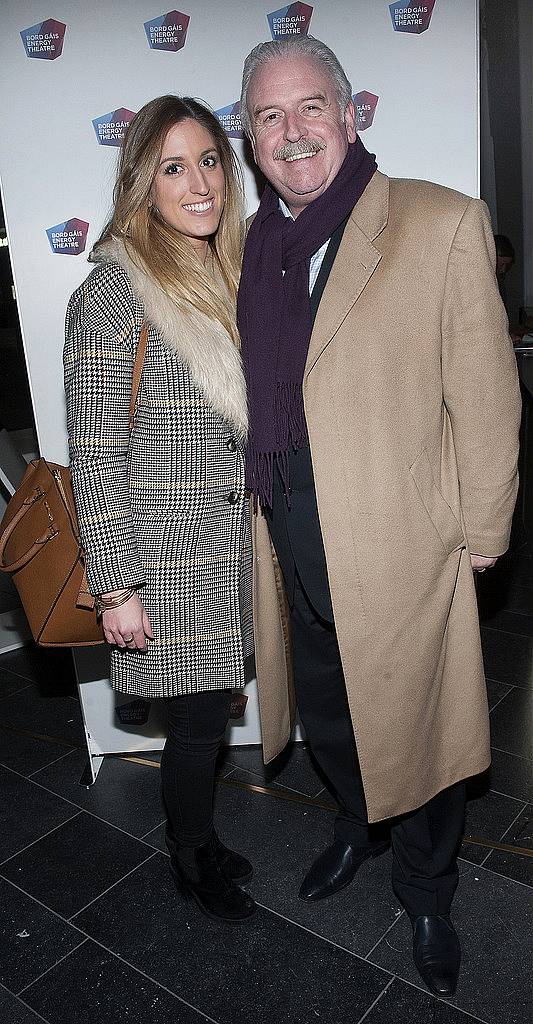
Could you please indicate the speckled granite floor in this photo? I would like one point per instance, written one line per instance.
(91, 929)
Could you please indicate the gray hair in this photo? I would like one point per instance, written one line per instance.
(293, 46)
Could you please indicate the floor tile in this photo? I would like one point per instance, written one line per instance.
(510, 622)
(511, 774)
(156, 838)
(53, 670)
(26, 813)
(32, 939)
(512, 865)
(94, 985)
(13, 1011)
(262, 970)
(488, 816)
(125, 793)
(294, 769)
(8, 602)
(404, 1004)
(56, 717)
(27, 753)
(520, 834)
(508, 657)
(510, 723)
(10, 682)
(520, 598)
(495, 692)
(75, 863)
(282, 838)
(493, 916)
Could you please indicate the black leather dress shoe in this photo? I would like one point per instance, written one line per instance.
(336, 867)
(436, 953)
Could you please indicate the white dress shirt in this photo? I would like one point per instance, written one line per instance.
(316, 259)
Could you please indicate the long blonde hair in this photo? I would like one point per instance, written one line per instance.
(157, 248)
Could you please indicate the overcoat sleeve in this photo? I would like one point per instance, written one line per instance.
(101, 337)
(480, 385)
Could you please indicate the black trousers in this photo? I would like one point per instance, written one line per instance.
(196, 726)
(426, 841)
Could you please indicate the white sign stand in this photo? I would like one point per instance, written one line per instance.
(117, 723)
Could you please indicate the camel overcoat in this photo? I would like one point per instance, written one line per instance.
(412, 406)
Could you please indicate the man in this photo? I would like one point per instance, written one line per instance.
(382, 453)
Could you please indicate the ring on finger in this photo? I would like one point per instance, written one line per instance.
(127, 639)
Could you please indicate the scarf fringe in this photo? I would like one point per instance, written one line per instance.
(292, 434)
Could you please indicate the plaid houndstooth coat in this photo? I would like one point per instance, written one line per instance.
(163, 510)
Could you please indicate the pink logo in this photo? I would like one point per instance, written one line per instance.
(365, 104)
(230, 119)
(168, 32)
(111, 128)
(409, 16)
(293, 20)
(68, 238)
(44, 40)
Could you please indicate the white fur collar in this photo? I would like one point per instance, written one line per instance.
(201, 344)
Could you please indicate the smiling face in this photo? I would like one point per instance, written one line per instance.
(189, 184)
(300, 136)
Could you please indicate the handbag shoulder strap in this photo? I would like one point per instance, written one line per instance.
(137, 371)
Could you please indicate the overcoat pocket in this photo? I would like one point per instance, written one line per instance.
(445, 522)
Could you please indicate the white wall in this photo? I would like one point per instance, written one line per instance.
(52, 168)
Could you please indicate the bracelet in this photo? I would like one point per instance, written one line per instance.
(104, 604)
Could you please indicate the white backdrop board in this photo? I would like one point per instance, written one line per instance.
(75, 73)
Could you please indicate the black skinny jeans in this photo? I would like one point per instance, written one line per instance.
(196, 726)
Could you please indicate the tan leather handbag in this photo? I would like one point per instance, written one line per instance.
(40, 547)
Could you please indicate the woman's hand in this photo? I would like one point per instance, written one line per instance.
(127, 626)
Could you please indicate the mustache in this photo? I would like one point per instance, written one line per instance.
(297, 148)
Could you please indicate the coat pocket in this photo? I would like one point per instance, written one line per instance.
(445, 522)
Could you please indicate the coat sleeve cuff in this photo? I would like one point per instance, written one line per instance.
(490, 545)
(104, 577)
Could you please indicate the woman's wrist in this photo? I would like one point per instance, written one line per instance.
(106, 602)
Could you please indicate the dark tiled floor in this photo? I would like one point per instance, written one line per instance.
(27, 813)
(92, 928)
(94, 985)
(403, 1004)
(33, 939)
(263, 970)
(127, 794)
(14, 1011)
(493, 917)
(294, 769)
(75, 863)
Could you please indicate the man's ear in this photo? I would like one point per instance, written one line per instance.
(252, 143)
(350, 122)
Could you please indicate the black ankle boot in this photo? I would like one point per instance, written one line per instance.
(237, 867)
(198, 875)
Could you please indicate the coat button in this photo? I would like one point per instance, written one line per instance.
(233, 497)
(231, 445)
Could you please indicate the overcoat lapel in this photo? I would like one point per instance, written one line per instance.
(354, 265)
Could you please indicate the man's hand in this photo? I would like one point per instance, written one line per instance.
(482, 562)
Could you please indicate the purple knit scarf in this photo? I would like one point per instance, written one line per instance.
(274, 316)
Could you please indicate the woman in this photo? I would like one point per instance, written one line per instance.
(162, 512)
